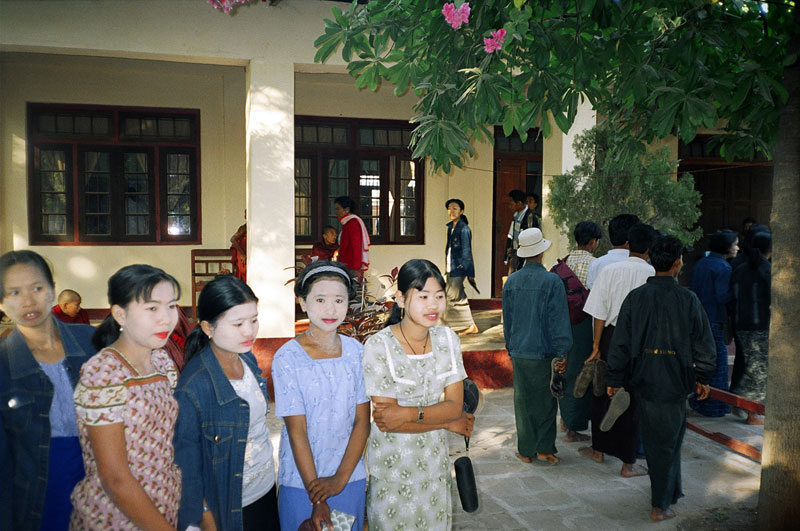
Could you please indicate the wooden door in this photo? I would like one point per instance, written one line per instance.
(510, 176)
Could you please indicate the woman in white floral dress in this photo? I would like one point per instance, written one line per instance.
(407, 365)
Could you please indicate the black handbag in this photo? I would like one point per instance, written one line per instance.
(465, 475)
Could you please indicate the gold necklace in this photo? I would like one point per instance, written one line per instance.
(413, 350)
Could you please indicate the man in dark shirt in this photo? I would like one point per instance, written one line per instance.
(662, 350)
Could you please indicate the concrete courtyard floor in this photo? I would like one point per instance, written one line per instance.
(579, 493)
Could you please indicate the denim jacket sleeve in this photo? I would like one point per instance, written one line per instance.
(6, 475)
(508, 312)
(466, 252)
(558, 317)
(189, 457)
(722, 284)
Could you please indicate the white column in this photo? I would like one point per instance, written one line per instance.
(559, 158)
(586, 118)
(270, 194)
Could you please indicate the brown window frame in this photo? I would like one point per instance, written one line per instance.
(351, 150)
(116, 143)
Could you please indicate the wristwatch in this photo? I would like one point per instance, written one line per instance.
(420, 414)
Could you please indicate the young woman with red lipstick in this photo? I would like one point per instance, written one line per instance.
(319, 392)
(221, 439)
(407, 365)
(126, 412)
(40, 361)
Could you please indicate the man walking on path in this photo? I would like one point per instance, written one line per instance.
(618, 229)
(537, 332)
(522, 218)
(662, 350)
(605, 299)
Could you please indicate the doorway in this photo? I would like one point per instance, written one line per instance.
(518, 165)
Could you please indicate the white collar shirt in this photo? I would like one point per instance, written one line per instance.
(611, 257)
(613, 285)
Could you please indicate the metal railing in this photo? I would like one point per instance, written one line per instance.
(740, 447)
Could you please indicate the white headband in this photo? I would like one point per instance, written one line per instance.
(326, 269)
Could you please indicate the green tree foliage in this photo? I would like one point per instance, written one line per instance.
(654, 67)
(614, 175)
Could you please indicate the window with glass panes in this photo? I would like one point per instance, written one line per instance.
(113, 175)
(367, 160)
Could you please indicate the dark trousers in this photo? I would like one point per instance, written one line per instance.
(621, 440)
(663, 427)
(535, 407)
(262, 514)
(575, 412)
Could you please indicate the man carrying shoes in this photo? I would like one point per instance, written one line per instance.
(537, 330)
(661, 351)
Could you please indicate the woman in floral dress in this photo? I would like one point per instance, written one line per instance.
(407, 365)
(126, 412)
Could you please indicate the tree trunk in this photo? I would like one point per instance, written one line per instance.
(779, 498)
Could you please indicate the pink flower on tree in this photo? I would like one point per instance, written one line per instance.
(456, 17)
(495, 42)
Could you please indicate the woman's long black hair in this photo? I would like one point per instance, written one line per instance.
(413, 275)
(129, 284)
(460, 204)
(218, 296)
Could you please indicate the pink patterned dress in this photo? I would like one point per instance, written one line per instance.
(110, 391)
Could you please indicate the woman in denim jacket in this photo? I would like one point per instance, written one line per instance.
(40, 456)
(458, 254)
(222, 440)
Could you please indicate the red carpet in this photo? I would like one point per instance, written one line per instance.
(489, 369)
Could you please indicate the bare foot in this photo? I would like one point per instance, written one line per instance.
(471, 330)
(632, 471)
(563, 425)
(523, 458)
(550, 459)
(657, 514)
(591, 453)
(574, 436)
(754, 419)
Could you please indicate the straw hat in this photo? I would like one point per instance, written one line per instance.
(532, 243)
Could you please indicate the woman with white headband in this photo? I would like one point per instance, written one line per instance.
(319, 392)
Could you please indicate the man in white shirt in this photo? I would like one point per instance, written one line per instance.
(618, 229)
(613, 284)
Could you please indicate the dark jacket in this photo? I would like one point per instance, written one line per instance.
(662, 343)
(25, 397)
(535, 314)
(711, 279)
(210, 440)
(529, 220)
(751, 287)
(459, 244)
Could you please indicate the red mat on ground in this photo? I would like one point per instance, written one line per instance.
(489, 369)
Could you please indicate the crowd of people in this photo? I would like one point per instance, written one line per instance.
(101, 429)
(615, 340)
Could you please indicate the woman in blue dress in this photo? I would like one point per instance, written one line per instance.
(40, 363)
(319, 392)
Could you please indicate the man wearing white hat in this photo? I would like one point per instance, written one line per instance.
(538, 335)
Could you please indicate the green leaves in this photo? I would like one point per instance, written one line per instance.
(656, 68)
(615, 173)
